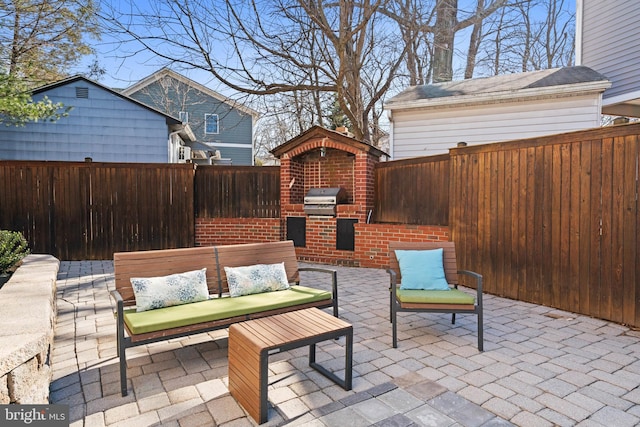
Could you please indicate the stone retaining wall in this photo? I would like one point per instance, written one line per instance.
(27, 320)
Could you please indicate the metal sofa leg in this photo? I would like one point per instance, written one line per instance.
(390, 306)
(121, 341)
(394, 326)
(480, 331)
(123, 373)
(122, 358)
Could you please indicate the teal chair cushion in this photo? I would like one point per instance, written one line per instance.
(422, 270)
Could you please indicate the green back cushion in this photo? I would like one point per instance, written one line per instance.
(219, 308)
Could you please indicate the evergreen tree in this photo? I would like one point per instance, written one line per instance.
(337, 117)
(17, 108)
(41, 39)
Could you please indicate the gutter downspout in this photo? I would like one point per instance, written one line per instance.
(171, 148)
(254, 120)
(391, 133)
(579, 30)
(598, 115)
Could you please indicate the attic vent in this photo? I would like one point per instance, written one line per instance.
(82, 92)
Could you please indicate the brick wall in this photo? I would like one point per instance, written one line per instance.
(335, 169)
(229, 231)
(365, 180)
(291, 181)
(371, 243)
(321, 243)
(322, 161)
(372, 240)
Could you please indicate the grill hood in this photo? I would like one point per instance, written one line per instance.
(323, 201)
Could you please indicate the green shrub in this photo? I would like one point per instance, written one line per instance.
(13, 247)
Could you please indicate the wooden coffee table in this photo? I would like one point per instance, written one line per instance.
(251, 343)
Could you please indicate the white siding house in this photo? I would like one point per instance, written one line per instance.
(431, 119)
(608, 40)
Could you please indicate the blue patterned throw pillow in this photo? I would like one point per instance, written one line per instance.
(255, 279)
(166, 291)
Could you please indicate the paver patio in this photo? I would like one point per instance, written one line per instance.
(540, 367)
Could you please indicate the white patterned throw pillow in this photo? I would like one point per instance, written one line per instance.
(167, 291)
(255, 279)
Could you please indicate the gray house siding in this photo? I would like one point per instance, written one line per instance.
(239, 156)
(103, 126)
(234, 125)
(610, 36)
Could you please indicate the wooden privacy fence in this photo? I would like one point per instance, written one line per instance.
(553, 220)
(413, 191)
(237, 192)
(79, 211)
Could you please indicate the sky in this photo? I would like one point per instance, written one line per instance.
(125, 66)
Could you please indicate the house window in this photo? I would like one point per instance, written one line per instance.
(184, 116)
(210, 124)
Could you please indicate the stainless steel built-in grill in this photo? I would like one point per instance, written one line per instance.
(323, 201)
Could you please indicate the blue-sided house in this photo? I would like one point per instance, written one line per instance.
(223, 128)
(103, 124)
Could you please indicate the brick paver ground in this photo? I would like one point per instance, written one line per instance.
(540, 367)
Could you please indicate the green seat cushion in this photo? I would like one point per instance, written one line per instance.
(219, 308)
(452, 296)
